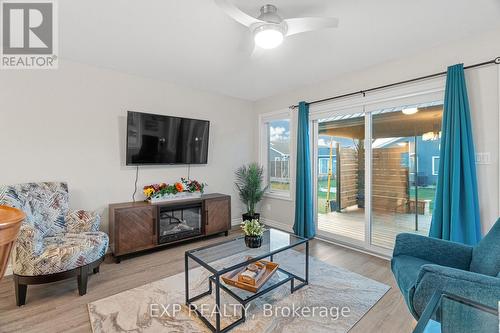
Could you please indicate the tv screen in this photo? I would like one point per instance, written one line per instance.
(157, 139)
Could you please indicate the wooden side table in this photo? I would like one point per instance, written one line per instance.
(10, 222)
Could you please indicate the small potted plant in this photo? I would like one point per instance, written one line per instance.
(249, 182)
(253, 231)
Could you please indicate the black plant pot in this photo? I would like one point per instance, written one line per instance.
(249, 217)
(253, 241)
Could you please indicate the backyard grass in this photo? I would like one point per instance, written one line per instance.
(424, 193)
(280, 186)
(322, 195)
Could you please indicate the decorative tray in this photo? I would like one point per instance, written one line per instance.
(251, 277)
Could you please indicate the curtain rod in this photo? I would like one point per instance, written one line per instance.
(362, 92)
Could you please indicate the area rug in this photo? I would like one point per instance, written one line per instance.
(334, 301)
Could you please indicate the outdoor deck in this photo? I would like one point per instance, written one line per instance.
(386, 226)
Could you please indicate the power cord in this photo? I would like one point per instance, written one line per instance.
(189, 171)
(135, 183)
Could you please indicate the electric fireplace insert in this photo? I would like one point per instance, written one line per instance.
(178, 222)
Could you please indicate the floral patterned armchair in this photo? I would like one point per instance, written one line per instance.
(53, 243)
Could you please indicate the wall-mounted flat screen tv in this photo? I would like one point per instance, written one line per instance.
(155, 140)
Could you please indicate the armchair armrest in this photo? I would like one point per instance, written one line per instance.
(29, 243)
(477, 287)
(435, 250)
(79, 221)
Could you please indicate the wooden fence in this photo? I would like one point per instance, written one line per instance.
(390, 182)
(348, 174)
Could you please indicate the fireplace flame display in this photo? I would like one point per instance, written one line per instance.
(175, 224)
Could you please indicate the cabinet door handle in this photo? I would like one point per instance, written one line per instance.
(206, 217)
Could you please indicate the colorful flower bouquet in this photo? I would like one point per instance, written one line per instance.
(184, 189)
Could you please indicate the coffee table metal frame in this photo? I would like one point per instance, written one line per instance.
(215, 279)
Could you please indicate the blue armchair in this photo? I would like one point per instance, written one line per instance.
(423, 265)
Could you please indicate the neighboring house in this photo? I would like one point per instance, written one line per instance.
(324, 154)
(427, 160)
(279, 161)
(323, 159)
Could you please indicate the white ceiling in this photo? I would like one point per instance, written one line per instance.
(194, 43)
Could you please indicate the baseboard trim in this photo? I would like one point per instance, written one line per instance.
(277, 225)
(350, 247)
(235, 222)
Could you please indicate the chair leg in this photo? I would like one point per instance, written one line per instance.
(83, 276)
(21, 291)
(96, 269)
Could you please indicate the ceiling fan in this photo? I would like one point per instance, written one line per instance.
(269, 29)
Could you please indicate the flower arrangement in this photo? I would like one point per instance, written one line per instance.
(193, 185)
(161, 190)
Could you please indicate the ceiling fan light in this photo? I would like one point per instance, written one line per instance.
(409, 111)
(268, 37)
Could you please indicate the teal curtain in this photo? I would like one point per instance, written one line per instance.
(456, 211)
(304, 218)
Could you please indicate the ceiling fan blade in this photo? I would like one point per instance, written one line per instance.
(236, 13)
(305, 24)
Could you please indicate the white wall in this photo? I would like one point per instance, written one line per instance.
(484, 99)
(69, 124)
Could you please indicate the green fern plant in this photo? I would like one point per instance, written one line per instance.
(249, 181)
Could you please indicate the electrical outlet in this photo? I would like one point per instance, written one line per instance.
(268, 207)
(483, 158)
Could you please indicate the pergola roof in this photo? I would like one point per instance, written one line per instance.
(387, 123)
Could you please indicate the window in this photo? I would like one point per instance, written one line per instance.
(275, 151)
(278, 146)
(435, 165)
(323, 166)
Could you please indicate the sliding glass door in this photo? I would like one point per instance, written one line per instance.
(340, 176)
(395, 151)
(405, 158)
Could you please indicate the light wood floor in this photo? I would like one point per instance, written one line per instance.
(57, 307)
(385, 226)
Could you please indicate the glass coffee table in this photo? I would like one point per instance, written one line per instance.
(212, 259)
